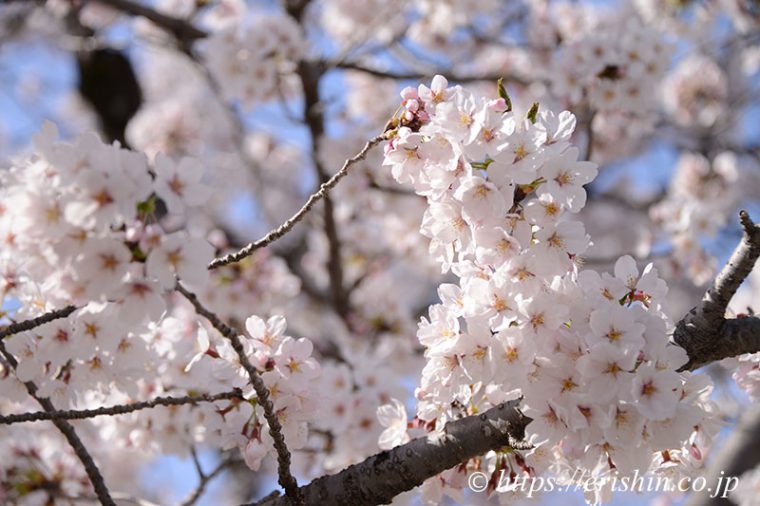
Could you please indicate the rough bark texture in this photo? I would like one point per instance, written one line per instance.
(381, 477)
(708, 336)
(704, 332)
(730, 338)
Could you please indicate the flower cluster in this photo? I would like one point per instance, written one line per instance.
(695, 93)
(610, 63)
(289, 372)
(35, 462)
(179, 115)
(702, 194)
(249, 62)
(82, 224)
(176, 357)
(588, 352)
(261, 281)
(427, 22)
(350, 397)
(79, 226)
(79, 221)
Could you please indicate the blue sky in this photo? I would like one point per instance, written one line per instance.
(33, 63)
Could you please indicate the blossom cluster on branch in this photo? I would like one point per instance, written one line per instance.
(448, 283)
(80, 225)
(589, 353)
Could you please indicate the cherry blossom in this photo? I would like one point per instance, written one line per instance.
(179, 184)
(393, 418)
(458, 264)
(181, 256)
(583, 348)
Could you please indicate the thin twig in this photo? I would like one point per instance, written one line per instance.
(205, 479)
(293, 220)
(417, 76)
(93, 473)
(119, 409)
(197, 463)
(15, 328)
(286, 479)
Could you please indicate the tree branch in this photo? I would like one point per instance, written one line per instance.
(419, 76)
(310, 75)
(205, 479)
(93, 473)
(298, 216)
(182, 30)
(15, 328)
(381, 477)
(119, 409)
(736, 270)
(704, 332)
(286, 479)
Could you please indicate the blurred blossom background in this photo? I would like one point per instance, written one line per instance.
(271, 97)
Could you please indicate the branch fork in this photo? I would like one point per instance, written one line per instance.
(704, 332)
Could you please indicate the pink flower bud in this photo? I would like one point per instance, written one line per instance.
(695, 452)
(409, 93)
(498, 105)
(412, 104)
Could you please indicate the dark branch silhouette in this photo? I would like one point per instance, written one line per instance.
(119, 409)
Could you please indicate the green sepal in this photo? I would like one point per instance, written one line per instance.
(503, 93)
(533, 112)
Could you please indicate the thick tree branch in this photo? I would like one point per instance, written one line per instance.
(15, 328)
(739, 266)
(704, 332)
(120, 409)
(296, 8)
(93, 473)
(286, 479)
(283, 229)
(381, 477)
(182, 30)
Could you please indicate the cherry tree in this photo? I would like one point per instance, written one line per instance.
(380, 252)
